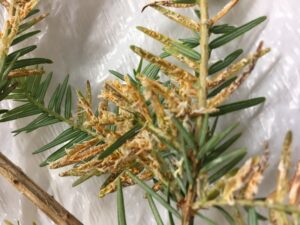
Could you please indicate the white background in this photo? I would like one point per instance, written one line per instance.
(86, 38)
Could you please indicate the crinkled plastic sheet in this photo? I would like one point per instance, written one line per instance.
(86, 38)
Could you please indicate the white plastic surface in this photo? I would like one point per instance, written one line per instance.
(86, 38)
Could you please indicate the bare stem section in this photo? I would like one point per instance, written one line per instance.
(202, 81)
(56, 212)
(204, 37)
(187, 211)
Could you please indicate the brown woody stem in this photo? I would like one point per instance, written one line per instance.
(187, 211)
(45, 202)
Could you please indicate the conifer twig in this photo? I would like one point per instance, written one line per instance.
(202, 96)
(56, 212)
(204, 53)
(252, 203)
(204, 36)
(146, 128)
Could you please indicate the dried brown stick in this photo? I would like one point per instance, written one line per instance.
(45, 202)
